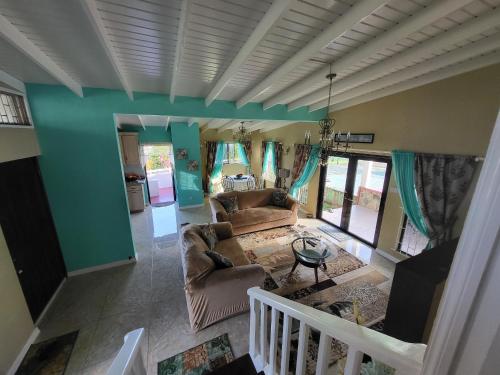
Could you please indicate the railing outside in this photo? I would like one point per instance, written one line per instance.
(404, 357)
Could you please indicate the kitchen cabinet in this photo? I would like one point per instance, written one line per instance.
(129, 143)
(135, 196)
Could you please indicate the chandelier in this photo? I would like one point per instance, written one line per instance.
(241, 135)
(326, 132)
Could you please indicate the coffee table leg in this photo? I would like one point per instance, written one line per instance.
(293, 268)
(316, 274)
(324, 266)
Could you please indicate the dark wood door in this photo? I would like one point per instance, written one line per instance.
(29, 231)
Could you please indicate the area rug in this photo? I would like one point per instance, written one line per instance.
(201, 359)
(346, 279)
(48, 357)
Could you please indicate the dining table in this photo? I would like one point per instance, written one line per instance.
(243, 183)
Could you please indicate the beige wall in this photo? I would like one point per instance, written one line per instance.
(15, 320)
(454, 116)
(17, 143)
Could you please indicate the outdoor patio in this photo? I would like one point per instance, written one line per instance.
(362, 223)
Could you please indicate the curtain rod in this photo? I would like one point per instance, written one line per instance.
(383, 152)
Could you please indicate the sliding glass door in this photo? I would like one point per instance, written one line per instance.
(352, 194)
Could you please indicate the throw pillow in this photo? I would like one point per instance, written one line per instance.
(230, 203)
(220, 260)
(209, 235)
(279, 198)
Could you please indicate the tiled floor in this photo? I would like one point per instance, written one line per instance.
(106, 305)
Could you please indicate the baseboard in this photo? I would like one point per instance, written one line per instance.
(102, 267)
(47, 306)
(391, 255)
(192, 206)
(12, 370)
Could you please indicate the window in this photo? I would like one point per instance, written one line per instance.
(231, 154)
(13, 110)
(411, 242)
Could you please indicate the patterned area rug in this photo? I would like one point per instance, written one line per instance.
(201, 359)
(345, 280)
(48, 357)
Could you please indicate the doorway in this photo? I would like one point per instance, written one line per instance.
(352, 194)
(158, 161)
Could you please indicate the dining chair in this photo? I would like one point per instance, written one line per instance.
(227, 183)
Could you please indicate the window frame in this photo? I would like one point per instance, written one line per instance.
(6, 90)
(402, 233)
(227, 160)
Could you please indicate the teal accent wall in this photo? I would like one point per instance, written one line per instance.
(81, 166)
(188, 184)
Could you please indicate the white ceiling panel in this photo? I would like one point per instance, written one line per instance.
(135, 43)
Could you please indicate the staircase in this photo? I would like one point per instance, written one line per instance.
(404, 357)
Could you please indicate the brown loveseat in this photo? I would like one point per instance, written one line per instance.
(255, 211)
(215, 294)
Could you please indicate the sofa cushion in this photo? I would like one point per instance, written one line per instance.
(254, 198)
(209, 235)
(197, 264)
(220, 260)
(279, 198)
(232, 250)
(257, 215)
(230, 203)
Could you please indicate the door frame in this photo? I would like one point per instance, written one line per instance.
(172, 162)
(354, 157)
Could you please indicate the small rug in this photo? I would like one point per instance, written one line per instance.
(335, 233)
(345, 280)
(201, 359)
(48, 357)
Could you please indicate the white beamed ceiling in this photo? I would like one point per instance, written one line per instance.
(143, 38)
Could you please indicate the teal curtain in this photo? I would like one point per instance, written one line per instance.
(242, 153)
(403, 164)
(307, 173)
(218, 164)
(269, 159)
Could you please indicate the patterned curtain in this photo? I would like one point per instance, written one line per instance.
(278, 152)
(441, 182)
(263, 153)
(247, 145)
(307, 172)
(211, 149)
(302, 153)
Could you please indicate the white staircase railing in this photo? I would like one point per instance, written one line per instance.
(404, 357)
(129, 359)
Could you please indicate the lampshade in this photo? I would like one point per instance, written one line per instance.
(283, 173)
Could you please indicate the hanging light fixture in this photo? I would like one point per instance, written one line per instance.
(241, 135)
(326, 132)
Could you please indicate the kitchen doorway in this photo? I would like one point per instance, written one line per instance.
(159, 165)
(352, 194)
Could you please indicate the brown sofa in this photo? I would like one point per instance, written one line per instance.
(255, 211)
(215, 294)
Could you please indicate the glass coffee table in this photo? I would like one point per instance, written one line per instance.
(311, 252)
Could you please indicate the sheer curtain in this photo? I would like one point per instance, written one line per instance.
(269, 163)
(216, 175)
(307, 172)
(403, 163)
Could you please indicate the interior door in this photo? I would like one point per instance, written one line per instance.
(30, 234)
(353, 191)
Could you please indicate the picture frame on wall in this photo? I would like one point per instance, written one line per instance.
(181, 154)
(192, 165)
(356, 137)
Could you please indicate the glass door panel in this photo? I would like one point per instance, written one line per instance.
(334, 190)
(367, 196)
